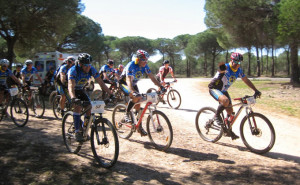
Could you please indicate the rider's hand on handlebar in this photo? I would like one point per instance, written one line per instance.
(257, 94)
(175, 80)
(76, 101)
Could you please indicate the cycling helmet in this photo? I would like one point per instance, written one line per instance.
(236, 57)
(110, 62)
(19, 65)
(4, 62)
(141, 54)
(28, 62)
(84, 58)
(166, 62)
(70, 59)
(120, 66)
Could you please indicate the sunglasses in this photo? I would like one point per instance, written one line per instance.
(86, 65)
(236, 62)
(143, 59)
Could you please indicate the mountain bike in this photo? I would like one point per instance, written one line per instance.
(18, 108)
(36, 101)
(256, 130)
(119, 95)
(159, 128)
(103, 136)
(173, 96)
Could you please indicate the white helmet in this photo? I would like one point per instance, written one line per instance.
(4, 62)
(28, 62)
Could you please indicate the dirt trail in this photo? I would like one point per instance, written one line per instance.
(36, 154)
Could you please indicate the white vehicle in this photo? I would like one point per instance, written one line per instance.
(44, 61)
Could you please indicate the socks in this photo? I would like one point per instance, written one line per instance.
(77, 121)
(130, 105)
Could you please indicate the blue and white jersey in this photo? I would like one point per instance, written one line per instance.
(64, 69)
(132, 69)
(80, 77)
(4, 75)
(28, 74)
(105, 69)
(222, 82)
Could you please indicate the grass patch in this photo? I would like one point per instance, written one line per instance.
(277, 96)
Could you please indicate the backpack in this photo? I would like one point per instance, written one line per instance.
(57, 75)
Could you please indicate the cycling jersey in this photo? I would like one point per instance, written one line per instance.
(105, 69)
(222, 81)
(28, 74)
(118, 71)
(17, 74)
(4, 75)
(80, 77)
(132, 69)
(164, 71)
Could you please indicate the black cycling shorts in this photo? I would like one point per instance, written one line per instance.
(81, 94)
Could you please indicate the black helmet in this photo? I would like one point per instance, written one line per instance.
(166, 62)
(110, 62)
(19, 65)
(84, 58)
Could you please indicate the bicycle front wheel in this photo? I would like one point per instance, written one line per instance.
(174, 99)
(159, 130)
(68, 132)
(38, 105)
(123, 129)
(19, 112)
(104, 143)
(259, 135)
(206, 127)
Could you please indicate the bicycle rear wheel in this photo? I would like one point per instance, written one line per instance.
(174, 99)
(38, 105)
(207, 128)
(52, 95)
(56, 107)
(104, 143)
(68, 132)
(260, 138)
(160, 131)
(19, 112)
(124, 130)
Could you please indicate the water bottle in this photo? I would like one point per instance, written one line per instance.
(231, 117)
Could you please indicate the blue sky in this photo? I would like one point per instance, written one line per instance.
(151, 19)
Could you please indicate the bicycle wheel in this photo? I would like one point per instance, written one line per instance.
(56, 107)
(174, 99)
(104, 143)
(19, 112)
(96, 95)
(154, 90)
(38, 105)
(207, 128)
(52, 95)
(68, 132)
(159, 130)
(124, 130)
(260, 138)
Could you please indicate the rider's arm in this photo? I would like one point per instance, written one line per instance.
(153, 79)
(71, 88)
(63, 77)
(23, 78)
(249, 83)
(16, 79)
(38, 76)
(129, 82)
(105, 76)
(102, 84)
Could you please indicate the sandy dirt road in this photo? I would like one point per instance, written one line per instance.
(36, 154)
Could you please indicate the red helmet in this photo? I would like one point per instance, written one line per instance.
(236, 57)
(141, 54)
(120, 66)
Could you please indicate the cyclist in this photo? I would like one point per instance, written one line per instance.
(106, 70)
(163, 71)
(17, 73)
(224, 78)
(133, 71)
(47, 81)
(4, 74)
(61, 82)
(27, 75)
(118, 71)
(78, 76)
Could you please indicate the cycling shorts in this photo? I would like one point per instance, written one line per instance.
(126, 89)
(81, 94)
(61, 90)
(215, 93)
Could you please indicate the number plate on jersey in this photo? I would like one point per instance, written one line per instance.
(152, 97)
(98, 106)
(13, 91)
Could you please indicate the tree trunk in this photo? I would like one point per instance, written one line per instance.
(267, 62)
(10, 42)
(294, 63)
(249, 61)
(262, 61)
(258, 63)
(205, 64)
(227, 56)
(213, 62)
(273, 63)
(288, 61)
(188, 72)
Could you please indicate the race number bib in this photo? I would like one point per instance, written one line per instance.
(152, 97)
(13, 91)
(98, 106)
